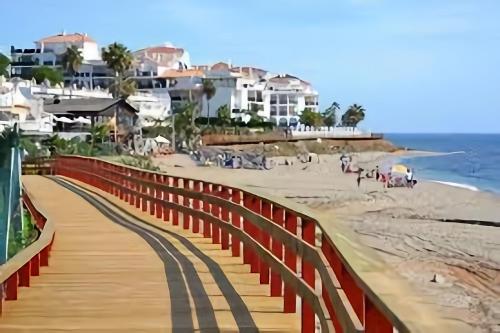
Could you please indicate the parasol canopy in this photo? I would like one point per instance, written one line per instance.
(399, 168)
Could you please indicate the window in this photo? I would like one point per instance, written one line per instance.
(251, 96)
(292, 110)
(274, 99)
(259, 96)
(245, 85)
(274, 110)
(283, 99)
(292, 99)
(235, 111)
(283, 110)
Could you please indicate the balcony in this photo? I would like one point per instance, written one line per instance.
(23, 63)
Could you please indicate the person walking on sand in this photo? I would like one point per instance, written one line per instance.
(409, 178)
(377, 173)
(358, 179)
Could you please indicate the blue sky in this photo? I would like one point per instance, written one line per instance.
(416, 66)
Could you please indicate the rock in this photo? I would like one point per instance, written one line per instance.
(437, 278)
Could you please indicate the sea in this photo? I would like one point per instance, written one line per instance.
(470, 161)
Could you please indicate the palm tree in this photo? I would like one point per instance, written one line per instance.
(4, 64)
(97, 134)
(330, 114)
(354, 114)
(185, 129)
(72, 61)
(119, 59)
(224, 116)
(209, 92)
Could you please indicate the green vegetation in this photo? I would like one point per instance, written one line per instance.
(43, 73)
(224, 116)
(209, 91)
(72, 60)
(141, 162)
(186, 130)
(4, 64)
(23, 238)
(354, 114)
(311, 118)
(119, 59)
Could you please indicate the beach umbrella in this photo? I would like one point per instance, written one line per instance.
(399, 168)
(161, 139)
(83, 120)
(64, 120)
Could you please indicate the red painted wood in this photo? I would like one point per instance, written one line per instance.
(44, 257)
(290, 298)
(11, 287)
(151, 193)
(308, 274)
(330, 256)
(24, 275)
(277, 249)
(256, 235)
(159, 196)
(138, 188)
(265, 240)
(224, 214)
(207, 232)
(175, 199)
(166, 198)
(247, 253)
(185, 216)
(236, 221)
(215, 211)
(375, 321)
(196, 206)
(35, 265)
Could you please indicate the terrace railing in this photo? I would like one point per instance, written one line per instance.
(18, 270)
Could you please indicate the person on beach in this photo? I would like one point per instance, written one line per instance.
(409, 178)
(377, 173)
(358, 179)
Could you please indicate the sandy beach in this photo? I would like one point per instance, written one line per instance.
(433, 230)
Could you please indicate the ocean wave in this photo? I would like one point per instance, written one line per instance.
(465, 186)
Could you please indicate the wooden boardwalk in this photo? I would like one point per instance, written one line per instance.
(114, 268)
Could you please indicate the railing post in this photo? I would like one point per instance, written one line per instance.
(247, 252)
(11, 287)
(207, 233)
(175, 199)
(330, 255)
(35, 265)
(166, 199)
(196, 206)
(215, 211)
(24, 275)
(375, 321)
(44, 256)
(277, 249)
(236, 221)
(158, 196)
(255, 264)
(225, 217)
(185, 201)
(290, 298)
(151, 193)
(308, 274)
(266, 242)
(138, 189)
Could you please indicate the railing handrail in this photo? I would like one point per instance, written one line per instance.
(45, 238)
(388, 292)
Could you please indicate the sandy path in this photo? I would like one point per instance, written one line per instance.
(403, 225)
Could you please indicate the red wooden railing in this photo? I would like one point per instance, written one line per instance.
(17, 271)
(288, 248)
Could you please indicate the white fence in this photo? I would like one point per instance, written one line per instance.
(302, 131)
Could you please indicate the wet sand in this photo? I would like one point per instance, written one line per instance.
(409, 228)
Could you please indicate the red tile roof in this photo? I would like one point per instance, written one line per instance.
(172, 73)
(67, 38)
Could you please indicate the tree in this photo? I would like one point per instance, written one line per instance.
(311, 118)
(97, 134)
(209, 92)
(72, 61)
(4, 64)
(330, 115)
(185, 129)
(224, 116)
(119, 60)
(43, 73)
(354, 114)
